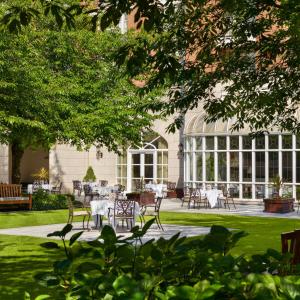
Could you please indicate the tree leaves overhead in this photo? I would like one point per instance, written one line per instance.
(248, 47)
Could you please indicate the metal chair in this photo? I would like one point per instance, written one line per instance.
(77, 186)
(88, 193)
(57, 189)
(153, 211)
(186, 196)
(123, 210)
(78, 213)
(228, 198)
(103, 183)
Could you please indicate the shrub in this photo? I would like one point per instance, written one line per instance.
(42, 200)
(90, 175)
(112, 267)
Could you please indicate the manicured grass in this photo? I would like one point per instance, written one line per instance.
(22, 257)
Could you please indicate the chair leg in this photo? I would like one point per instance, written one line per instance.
(160, 223)
(88, 221)
(83, 222)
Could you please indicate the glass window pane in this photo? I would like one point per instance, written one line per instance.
(187, 144)
(135, 171)
(148, 158)
(259, 191)
(165, 171)
(298, 141)
(199, 167)
(221, 143)
(247, 142)
(165, 157)
(273, 165)
(287, 170)
(287, 191)
(148, 171)
(234, 166)
(161, 143)
(287, 142)
(222, 166)
(136, 159)
(159, 171)
(159, 157)
(260, 166)
(209, 143)
(234, 142)
(209, 157)
(191, 168)
(247, 191)
(234, 190)
(273, 141)
(260, 142)
(199, 143)
(247, 166)
(298, 168)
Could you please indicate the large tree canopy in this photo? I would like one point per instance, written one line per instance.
(58, 86)
(251, 47)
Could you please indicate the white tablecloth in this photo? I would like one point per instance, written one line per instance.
(46, 187)
(158, 189)
(101, 207)
(212, 196)
(102, 190)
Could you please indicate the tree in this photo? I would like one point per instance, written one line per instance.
(63, 87)
(248, 46)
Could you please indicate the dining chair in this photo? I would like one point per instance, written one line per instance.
(88, 193)
(290, 243)
(77, 186)
(123, 210)
(198, 198)
(228, 198)
(73, 212)
(186, 196)
(57, 189)
(153, 210)
(103, 183)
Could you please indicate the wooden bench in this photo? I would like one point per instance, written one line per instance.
(11, 194)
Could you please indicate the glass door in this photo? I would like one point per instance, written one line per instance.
(142, 166)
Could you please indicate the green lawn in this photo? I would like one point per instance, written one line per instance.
(21, 257)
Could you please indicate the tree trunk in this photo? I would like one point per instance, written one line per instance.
(17, 154)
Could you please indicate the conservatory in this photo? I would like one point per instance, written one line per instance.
(218, 157)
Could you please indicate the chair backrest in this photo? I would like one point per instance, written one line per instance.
(290, 243)
(138, 184)
(87, 189)
(103, 183)
(171, 186)
(77, 184)
(124, 208)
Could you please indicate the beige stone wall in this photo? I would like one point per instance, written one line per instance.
(4, 164)
(68, 164)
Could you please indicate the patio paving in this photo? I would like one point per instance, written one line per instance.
(253, 210)
(153, 232)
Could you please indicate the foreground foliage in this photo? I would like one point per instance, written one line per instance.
(112, 267)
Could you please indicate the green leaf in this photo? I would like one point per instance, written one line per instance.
(75, 237)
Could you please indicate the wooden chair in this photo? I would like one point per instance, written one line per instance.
(78, 213)
(153, 211)
(290, 243)
(77, 186)
(123, 211)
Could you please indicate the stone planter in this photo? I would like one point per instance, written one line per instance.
(279, 205)
(143, 198)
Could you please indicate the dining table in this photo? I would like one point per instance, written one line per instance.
(158, 189)
(101, 208)
(212, 196)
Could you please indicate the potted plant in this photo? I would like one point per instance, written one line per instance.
(90, 175)
(42, 175)
(279, 203)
